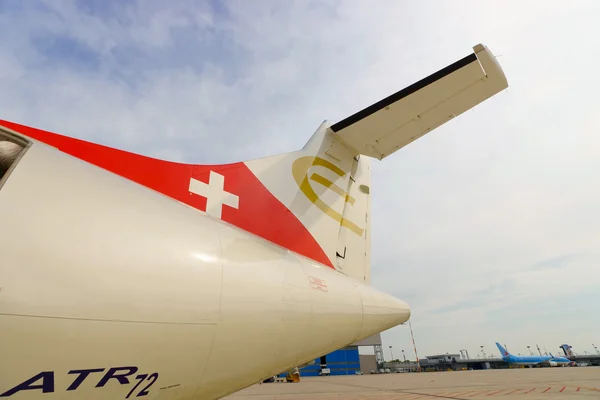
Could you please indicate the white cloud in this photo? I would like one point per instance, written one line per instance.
(469, 208)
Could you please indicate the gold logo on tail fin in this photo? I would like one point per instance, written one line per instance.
(300, 171)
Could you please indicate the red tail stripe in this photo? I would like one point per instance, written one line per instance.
(259, 212)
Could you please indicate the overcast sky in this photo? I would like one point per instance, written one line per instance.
(489, 226)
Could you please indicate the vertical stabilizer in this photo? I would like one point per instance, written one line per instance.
(503, 352)
(330, 189)
(327, 186)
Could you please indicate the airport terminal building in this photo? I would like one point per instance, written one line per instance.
(346, 361)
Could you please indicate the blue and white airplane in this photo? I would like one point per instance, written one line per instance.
(560, 361)
(546, 361)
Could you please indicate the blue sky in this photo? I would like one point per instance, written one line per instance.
(488, 226)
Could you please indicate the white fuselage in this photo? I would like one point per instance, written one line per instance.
(109, 290)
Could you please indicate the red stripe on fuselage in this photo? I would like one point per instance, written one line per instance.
(259, 211)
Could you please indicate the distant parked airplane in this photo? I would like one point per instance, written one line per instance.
(560, 361)
(541, 361)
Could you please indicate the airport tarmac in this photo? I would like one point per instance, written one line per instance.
(528, 383)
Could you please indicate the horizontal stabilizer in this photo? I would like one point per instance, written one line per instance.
(390, 124)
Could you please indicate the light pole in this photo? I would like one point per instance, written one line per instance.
(595, 348)
(392, 353)
(403, 355)
(529, 349)
(482, 352)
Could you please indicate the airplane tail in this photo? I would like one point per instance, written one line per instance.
(503, 352)
(315, 201)
(567, 350)
(327, 184)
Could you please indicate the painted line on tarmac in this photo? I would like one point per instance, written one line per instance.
(461, 393)
(465, 393)
(455, 395)
(444, 395)
(590, 388)
(495, 392)
(480, 392)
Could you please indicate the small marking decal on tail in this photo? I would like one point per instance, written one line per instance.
(318, 284)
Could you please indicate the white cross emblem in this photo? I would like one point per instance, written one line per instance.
(214, 193)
